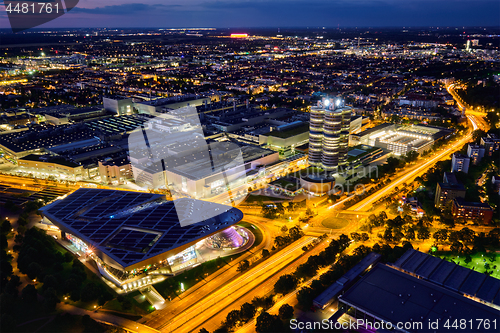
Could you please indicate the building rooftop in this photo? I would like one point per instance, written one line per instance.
(130, 227)
(332, 291)
(462, 203)
(118, 124)
(452, 186)
(45, 137)
(451, 276)
(50, 159)
(394, 296)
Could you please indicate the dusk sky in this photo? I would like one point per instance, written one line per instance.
(277, 13)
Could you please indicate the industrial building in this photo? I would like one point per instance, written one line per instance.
(419, 291)
(45, 138)
(399, 139)
(118, 105)
(163, 105)
(44, 166)
(469, 283)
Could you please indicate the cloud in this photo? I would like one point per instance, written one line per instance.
(125, 9)
(358, 12)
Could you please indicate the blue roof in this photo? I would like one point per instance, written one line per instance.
(130, 227)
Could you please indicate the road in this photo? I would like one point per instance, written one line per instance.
(107, 318)
(264, 288)
(220, 299)
(207, 286)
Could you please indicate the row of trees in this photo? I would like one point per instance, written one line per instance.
(40, 259)
(266, 322)
(294, 233)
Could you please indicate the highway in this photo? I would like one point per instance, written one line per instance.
(220, 299)
(264, 288)
(206, 286)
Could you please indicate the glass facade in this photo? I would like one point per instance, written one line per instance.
(77, 242)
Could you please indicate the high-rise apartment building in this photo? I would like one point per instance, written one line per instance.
(459, 163)
(475, 153)
(329, 134)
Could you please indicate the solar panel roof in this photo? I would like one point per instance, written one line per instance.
(398, 297)
(451, 276)
(130, 227)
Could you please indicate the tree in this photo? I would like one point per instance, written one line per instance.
(247, 311)
(295, 233)
(284, 229)
(423, 234)
(50, 299)
(8, 323)
(305, 297)
(387, 235)
(34, 269)
(364, 237)
(243, 266)
(268, 211)
(280, 209)
(410, 234)
(90, 325)
(50, 282)
(285, 284)
(90, 292)
(344, 241)
(355, 236)
(441, 235)
(265, 253)
(309, 211)
(456, 247)
(6, 227)
(286, 312)
(232, 318)
(467, 235)
(268, 323)
(203, 330)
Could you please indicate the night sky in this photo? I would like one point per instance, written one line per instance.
(278, 13)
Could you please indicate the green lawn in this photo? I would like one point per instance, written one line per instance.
(334, 222)
(478, 262)
(137, 310)
(257, 232)
(258, 199)
(171, 286)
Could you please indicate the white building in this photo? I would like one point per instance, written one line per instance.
(460, 163)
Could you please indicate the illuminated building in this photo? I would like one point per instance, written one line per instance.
(118, 105)
(135, 237)
(329, 134)
(491, 144)
(475, 153)
(471, 211)
(459, 163)
(46, 165)
(239, 35)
